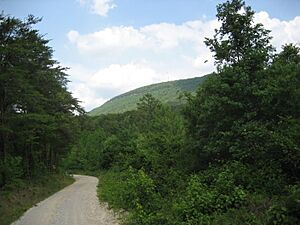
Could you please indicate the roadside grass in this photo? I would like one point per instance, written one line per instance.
(17, 198)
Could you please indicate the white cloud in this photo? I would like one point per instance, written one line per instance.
(166, 36)
(125, 57)
(102, 7)
(78, 72)
(73, 36)
(86, 95)
(204, 63)
(107, 39)
(99, 7)
(283, 32)
(155, 36)
(125, 77)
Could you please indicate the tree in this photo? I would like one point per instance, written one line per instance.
(149, 106)
(249, 110)
(36, 110)
(239, 41)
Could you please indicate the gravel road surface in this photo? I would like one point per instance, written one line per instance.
(76, 204)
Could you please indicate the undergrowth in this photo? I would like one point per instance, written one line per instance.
(22, 195)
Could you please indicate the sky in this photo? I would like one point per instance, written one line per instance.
(113, 46)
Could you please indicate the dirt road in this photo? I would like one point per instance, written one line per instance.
(76, 204)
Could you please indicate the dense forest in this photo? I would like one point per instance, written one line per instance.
(230, 156)
(37, 113)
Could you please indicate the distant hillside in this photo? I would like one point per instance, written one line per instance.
(166, 92)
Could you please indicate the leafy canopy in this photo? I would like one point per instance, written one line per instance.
(239, 41)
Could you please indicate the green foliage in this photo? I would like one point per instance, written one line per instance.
(249, 115)
(287, 210)
(36, 110)
(12, 169)
(130, 190)
(139, 191)
(277, 215)
(239, 41)
(231, 157)
(202, 200)
(87, 154)
(136, 192)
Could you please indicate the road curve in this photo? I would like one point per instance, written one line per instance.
(76, 204)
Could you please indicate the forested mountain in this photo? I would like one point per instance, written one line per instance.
(167, 92)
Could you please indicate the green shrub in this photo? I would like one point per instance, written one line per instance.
(277, 215)
(11, 171)
(201, 201)
(130, 190)
(139, 191)
(286, 211)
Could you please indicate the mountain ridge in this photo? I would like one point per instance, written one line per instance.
(167, 92)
